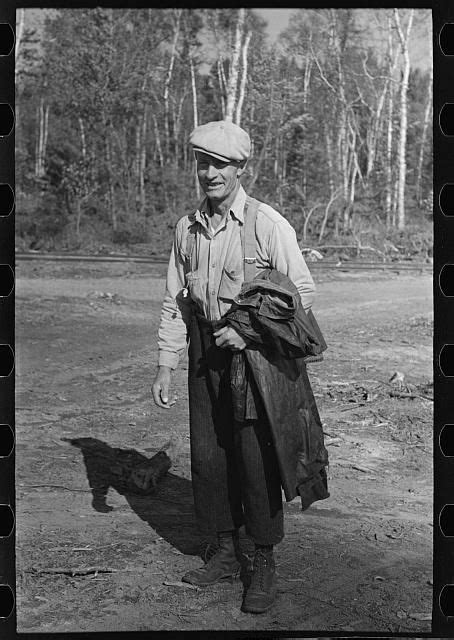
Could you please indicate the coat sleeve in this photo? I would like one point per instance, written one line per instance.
(286, 257)
(176, 306)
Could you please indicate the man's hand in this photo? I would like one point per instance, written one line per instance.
(161, 386)
(228, 338)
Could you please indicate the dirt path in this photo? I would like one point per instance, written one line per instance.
(359, 561)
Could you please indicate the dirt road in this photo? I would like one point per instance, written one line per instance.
(86, 356)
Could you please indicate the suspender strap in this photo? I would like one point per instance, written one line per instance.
(190, 242)
(248, 240)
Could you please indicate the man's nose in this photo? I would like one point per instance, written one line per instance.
(211, 171)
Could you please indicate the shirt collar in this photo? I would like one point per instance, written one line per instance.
(236, 208)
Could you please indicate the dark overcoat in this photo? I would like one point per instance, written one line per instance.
(269, 315)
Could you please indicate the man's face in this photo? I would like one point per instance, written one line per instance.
(217, 178)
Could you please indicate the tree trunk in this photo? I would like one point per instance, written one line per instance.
(83, 144)
(45, 136)
(352, 175)
(306, 86)
(243, 77)
(37, 143)
(177, 116)
(78, 217)
(158, 141)
(222, 86)
(194, 94)
(402, 144)
(389, 145)
(195, 117)
(111, 192)
(168, 80)
(325, 217)
(43, 119)
(329, 158)
(423, 140)
(142, 163)
(233, 70)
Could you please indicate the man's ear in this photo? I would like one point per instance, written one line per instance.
(241, 167)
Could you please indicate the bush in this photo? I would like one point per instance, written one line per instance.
(40, 223)
(133, 234)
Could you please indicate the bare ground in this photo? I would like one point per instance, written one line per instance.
(86, 356)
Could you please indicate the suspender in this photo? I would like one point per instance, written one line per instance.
(190, 244)
(248, 241)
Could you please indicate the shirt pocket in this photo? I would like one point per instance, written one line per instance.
(230, 285)
(195, 283)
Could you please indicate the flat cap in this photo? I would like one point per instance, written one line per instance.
(221, 139)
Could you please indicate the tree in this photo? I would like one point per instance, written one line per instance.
(404, 35)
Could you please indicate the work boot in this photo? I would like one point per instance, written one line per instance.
(223, 564)
(262, 590)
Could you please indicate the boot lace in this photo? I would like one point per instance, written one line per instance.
(260, 563)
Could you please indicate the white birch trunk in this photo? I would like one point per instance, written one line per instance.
(389, 140)
(19, 34)
(41, 143)
(402, 144)
(233, 69)
(243, 77)
(195, 117)
(168, 80)
(388, 158)
(37, 143)
(423, 140)
(222, 85)
(329, 157)
(45, 136)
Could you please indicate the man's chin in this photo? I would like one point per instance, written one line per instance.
(217, 195)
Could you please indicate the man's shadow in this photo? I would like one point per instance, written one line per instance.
(168, 509)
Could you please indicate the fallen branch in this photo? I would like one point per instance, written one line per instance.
(185, 585)
(362, 469)
(75, 572)
(355, 405)
(403, 394)
(52, 486)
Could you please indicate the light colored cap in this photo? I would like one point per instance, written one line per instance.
(221, 139)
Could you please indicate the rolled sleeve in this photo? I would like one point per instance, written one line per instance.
(286, 256)
(176, 308)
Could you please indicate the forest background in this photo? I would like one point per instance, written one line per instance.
(338, 107)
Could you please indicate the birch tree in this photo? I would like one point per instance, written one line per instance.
(234, 68)
(422, 148)
(244, 69)
(404, 36)
(176, 32)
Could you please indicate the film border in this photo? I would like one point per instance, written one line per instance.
(7, 496)
(442, 623)
(443, 11)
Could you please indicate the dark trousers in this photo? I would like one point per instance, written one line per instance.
(235, 474)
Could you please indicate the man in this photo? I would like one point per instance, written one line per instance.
(235, 471)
